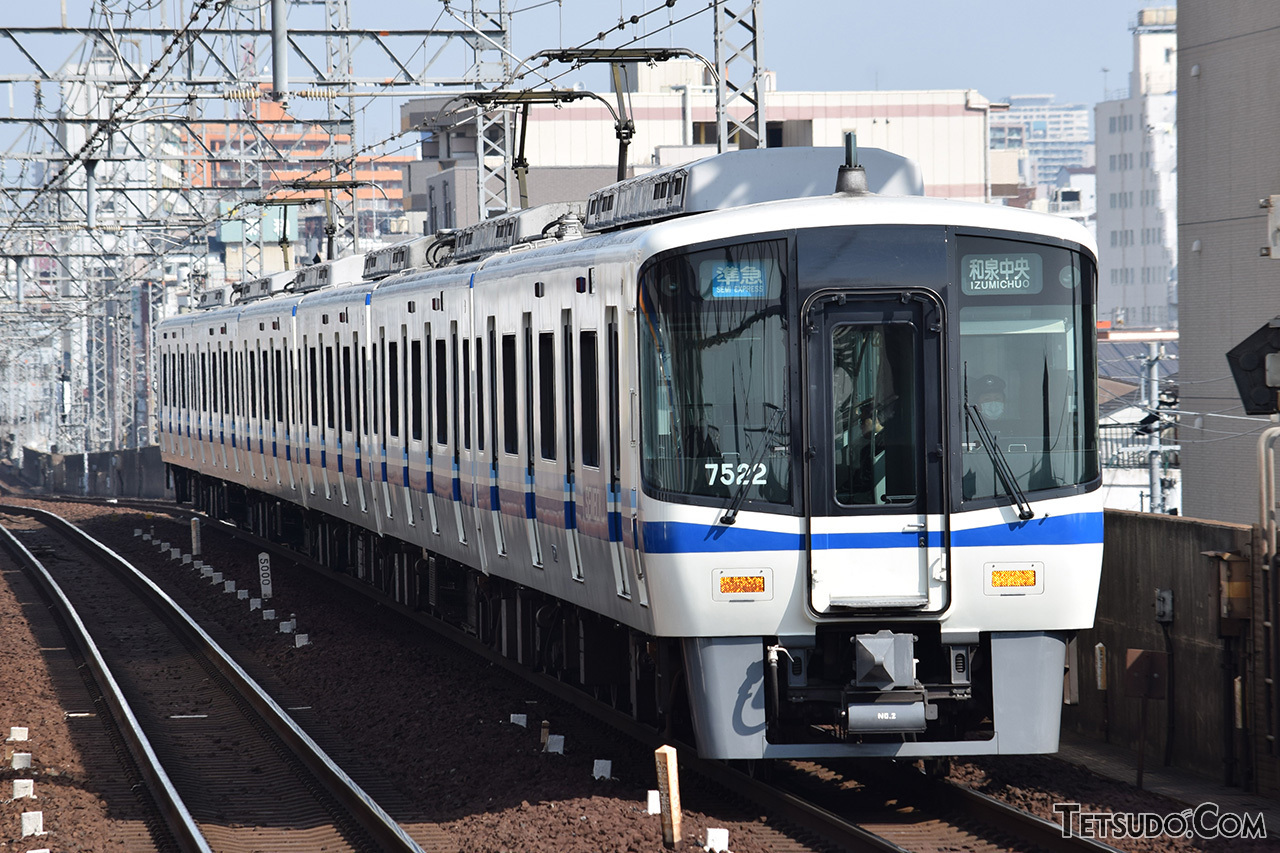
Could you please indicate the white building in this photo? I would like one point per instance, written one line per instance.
(1137, 184)
(1051, 136)
(945, 132)
(1074, 194)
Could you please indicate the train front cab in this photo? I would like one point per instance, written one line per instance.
(944, 548)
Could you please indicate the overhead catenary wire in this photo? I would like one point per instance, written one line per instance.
(95, 139)
(125, 111)
(366, 149)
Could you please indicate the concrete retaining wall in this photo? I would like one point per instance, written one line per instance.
(1194, 727)
(134, 473)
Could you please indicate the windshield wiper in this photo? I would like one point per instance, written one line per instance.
(1003, 471)
(731, 515)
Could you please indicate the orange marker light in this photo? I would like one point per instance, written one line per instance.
(731, 584)
(1015, 577)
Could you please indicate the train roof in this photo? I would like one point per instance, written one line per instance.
(734, 194)
(867, 209)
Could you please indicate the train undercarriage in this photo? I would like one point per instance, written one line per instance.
(873, 686)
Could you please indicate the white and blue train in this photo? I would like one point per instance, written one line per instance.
(784, 472)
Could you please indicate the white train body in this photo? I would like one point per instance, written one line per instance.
(748, 437)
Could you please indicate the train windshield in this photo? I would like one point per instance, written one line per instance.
(715, 416)
(1027, 368)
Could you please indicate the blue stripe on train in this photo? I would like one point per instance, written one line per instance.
(679, 538)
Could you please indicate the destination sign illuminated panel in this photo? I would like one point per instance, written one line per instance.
(1002, 275)
(742, 280)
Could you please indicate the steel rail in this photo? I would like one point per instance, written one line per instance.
(787, 806)
(176, 816)
(1043, 833)
(372, 818)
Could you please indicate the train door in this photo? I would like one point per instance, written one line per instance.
(473, 399)
(460, 394)
(224, 410)
(277, 407)
(355, 412)
(202, 424)
(491, 384)
(398, 362)
(426, 384)
(874, 475)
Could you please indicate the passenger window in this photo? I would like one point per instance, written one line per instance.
(510, 405)
(547, 393)
(364, 389)
(266, 385)
(442, 392)
(393, 388)
(253, 384)
(567, 393)
(377, 389)
(329, 388)
(528, 389)
(589, 382)
(347, 382)
(479, 394)
(314, 386)
(415, 385)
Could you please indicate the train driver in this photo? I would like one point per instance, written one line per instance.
(991, 398)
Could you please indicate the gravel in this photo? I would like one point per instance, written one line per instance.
(426, 729)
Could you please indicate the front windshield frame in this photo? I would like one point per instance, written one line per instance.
(764, 419)
(993, 336)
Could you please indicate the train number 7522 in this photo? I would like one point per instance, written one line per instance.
(736, 475)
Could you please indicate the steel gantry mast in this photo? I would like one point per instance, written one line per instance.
(740, 107)
(490, 41)
(120, 164)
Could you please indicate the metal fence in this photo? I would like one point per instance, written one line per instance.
(1126, 446)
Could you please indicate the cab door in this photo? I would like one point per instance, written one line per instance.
(877, 514)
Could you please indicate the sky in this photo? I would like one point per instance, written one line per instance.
(999, 47)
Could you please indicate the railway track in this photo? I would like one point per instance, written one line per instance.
(815, 807)
(242, 776)
(853, 806)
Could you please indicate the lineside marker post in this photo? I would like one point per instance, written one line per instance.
(264, 575)
(669, 794)
(195, 537)
(32, 823)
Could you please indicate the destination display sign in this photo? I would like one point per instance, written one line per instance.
(745, 280)
(1001, 275)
